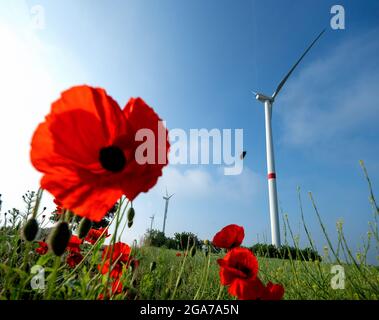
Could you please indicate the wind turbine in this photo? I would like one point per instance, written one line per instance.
(166, 198)
(152, 221)
(271, 175)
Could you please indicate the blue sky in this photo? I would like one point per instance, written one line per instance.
(195, 62)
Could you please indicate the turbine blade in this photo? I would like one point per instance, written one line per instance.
(254, 93)
(281, 84)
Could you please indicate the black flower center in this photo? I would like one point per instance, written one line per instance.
(112, 159)
(244, 269)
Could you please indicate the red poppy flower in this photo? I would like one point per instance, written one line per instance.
(121, 254)
(74, 258)
(43, 248)
(238, 269)
(121, 251)
(74, 244)
(178, 254)
(94, 234)
(86, 150)
(229, 237)
(248, 290)
(273, 291)
(117, 288)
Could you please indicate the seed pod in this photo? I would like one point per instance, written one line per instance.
(59, 238)
(153, 265)
(131, 214)
(30, 229)
(85, 226)
(130, 223)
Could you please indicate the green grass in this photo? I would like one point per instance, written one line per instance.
(184, 277)
(302, 280)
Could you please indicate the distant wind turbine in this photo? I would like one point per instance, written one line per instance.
(167, 199)
(152, 221)
(268, 102)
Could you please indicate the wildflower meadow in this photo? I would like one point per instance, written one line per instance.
(85, 149)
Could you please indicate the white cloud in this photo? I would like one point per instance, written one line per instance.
(194, 189)
(200, 183)
(335, 95)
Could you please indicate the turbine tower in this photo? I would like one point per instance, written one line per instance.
(167, 199)
(271, 175)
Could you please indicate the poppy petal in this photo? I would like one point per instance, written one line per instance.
(81, 122)
(273, 291)
(229, 237)
(247, 290)
(142, 177)
(88, 198)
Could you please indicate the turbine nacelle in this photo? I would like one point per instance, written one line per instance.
(263, 98)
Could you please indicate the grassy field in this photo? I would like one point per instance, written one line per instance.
(302, 280)
(174, 277)
(159, 273)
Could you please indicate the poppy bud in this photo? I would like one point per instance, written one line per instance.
(193, 251)
(153, 265)
(85, 226)
(131, 214)
(130, 223)
(30, 229)
(206, 242)
(59, 238)
(179, 282)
